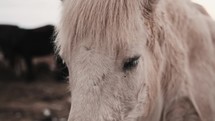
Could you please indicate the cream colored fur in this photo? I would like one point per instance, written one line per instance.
(175, 76)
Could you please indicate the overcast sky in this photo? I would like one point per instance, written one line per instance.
(34, 13)
(29, 13)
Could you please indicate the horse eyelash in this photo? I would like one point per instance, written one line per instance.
(130, 63)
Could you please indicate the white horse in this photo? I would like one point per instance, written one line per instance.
(138, 60)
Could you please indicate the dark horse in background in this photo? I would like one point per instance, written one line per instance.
(26, 44)
(10, 35)
(37, 42)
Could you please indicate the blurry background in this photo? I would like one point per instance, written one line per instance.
(33, 83)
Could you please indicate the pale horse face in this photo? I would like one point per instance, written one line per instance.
(106, 85)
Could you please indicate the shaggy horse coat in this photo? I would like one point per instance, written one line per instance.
(138, 60)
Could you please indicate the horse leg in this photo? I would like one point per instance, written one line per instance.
(29, 73)
(13, 61)
(61, 72)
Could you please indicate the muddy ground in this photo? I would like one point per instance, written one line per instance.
(44, 99)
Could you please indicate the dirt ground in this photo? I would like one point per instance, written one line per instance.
(44, 99)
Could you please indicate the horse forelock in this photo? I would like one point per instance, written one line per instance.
(103, 22)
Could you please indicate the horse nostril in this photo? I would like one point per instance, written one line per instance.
(87, 48)
(103, 76)
(94, 84)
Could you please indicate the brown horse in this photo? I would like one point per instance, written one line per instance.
(138, 60)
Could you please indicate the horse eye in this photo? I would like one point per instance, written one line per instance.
(131, 63)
